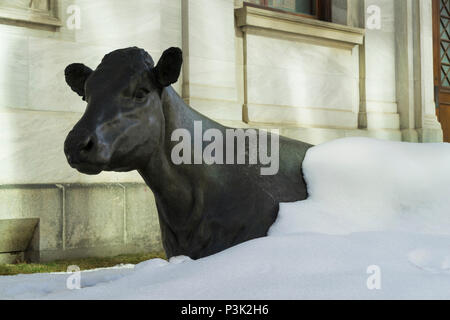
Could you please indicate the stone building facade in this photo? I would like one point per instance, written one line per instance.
(367, 72)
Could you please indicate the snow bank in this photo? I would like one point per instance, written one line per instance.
(360, 185)
(371, 203)
(303, 266)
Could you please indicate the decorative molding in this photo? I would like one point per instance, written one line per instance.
(251, 18)
(30, 14)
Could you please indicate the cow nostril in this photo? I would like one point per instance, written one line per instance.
(88, 145)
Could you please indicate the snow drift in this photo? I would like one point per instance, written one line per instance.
(371, 203)
(360, 185)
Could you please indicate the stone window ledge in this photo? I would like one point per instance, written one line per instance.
(29, 16)
(257, 19)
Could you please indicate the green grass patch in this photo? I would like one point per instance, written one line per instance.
(84, 264)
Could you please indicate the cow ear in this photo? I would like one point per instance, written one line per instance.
(169, 67)
(76, 75)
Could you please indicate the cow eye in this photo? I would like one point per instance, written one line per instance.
(141, 93)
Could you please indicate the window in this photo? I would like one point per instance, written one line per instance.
(317, 9)
(30, 11)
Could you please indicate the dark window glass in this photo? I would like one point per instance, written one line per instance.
(298, 6)
(307, 7)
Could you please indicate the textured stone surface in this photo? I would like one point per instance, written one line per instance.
(40, 202)
(32, 78)
(95, 220)
(142, 217)
(209, 57)
(10, 258)
(32, 150)
(94, 216)
(16, 234)
(318, 79)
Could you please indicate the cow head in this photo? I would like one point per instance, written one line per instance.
(124, 120)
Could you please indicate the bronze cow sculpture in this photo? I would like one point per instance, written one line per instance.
(131, 112)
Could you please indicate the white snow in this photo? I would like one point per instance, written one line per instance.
(360, 185)
(371, 203)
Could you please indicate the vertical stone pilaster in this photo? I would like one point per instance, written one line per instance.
(356, 16)
(428, 127)
(378, 109)
(404, 49)
(209, 73)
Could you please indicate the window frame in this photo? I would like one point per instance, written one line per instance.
(323, 9)
(30, 16)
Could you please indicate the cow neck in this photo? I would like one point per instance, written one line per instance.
(170, 183)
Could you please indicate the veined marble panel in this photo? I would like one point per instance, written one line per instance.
(211, 29)
(382, 134)
(279, 86)
(290, 73)
(380, 54)
(171, 24)
(380, 68)
(211, 72)
(114, 23)
(120, 24)
(304, 57)
(205, 92)
(217, 109)
(32, 150)
(48, 59)
(171, 31)
(302, 116)
(380, 120)
(384, 107)
(13, 70)
(316, 136)
(381, 89)
(387, 14)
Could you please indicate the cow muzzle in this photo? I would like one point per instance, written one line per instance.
(82, 152)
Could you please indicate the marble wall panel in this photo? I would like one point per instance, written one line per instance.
(283, 74)
(14, 75)
(32, 150)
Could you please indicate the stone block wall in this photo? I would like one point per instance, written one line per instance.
(78, 220)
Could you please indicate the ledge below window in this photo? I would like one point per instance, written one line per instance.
(257, 19)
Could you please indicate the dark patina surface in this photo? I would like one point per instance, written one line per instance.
(131, 113)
